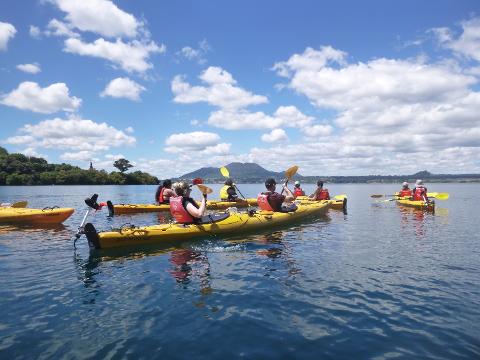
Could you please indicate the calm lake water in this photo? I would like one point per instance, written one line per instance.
(379, 282)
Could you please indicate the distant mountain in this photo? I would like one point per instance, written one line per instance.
(240, 172)
(254, 173)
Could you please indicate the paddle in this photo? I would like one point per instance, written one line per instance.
(434, 195)
(204, 189)
(439, 196)
(224, 171)
(19, 204)
(340, 197)
(289, 174)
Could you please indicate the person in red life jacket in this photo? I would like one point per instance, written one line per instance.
(298, 190)
(273, 201)
(320, 193)
(164, 192)
(419, 191)
(183, 208)
(405, 192)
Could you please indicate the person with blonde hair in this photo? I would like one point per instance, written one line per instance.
(183, 208)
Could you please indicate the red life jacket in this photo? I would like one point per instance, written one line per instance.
(263, 202)
(323, 195)
(160, 199)
(420, 193)
(405, 193)
(181, 215)
(298, 192)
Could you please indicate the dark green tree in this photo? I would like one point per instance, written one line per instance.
(122, 165)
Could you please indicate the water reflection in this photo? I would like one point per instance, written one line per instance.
(282, 250)
(187, 263)
(414, 218)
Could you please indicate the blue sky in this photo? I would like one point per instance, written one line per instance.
(338, 88)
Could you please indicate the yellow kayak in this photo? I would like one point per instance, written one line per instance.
(336, 204)
(417, 204)
(228, 223)
(211, 205)
(35, 216)
(422, 205)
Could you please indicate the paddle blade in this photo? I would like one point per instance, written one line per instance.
(197, 181)
(204, 189)
(291, 171)
(442, 196)
(376, 196)
(225, 172)
(20, 204)
(340, 197)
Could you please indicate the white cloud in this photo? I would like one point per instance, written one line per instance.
(32, 152)
(73, 134)
(195, 54)
(99, 16)
(276, 135)
(130, 56)
(30, 96)
(221, 91)
(84, 155)
(59, 28)
(288, 116)
(196, 145)
(34, 32)
(196, 140)
(123, 88)
(380, 111)
(467, 44)
(29, 68)
(7, 32)
(318, 130)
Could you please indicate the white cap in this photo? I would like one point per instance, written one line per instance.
(297, 182)
(419, 182)
(405, 183)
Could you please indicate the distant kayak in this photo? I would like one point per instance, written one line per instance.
(417, 204)
(228, 223)
(335, 204)
(34, 216)
(211, 205)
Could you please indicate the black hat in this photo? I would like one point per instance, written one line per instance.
(269, 182)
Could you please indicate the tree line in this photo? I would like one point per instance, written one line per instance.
(18, 169)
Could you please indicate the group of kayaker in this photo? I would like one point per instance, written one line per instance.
(186, 210)
(418, 193)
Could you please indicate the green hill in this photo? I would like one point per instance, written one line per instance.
(18, 169)
(240, 172)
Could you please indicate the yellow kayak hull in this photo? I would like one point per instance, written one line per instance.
(332, 203)
(167, 233)
(421, 205)
(34, 216)
(211, 205)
